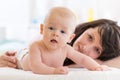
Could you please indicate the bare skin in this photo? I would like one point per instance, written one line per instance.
(51, 51)
(8, 60)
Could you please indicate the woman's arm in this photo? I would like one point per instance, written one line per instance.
(115, 62)
(8, 60)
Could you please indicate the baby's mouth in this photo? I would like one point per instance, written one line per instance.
(53, 41)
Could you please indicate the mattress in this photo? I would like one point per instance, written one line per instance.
(74, 74)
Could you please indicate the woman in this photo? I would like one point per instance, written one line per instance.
(99, 39)
(102, 45)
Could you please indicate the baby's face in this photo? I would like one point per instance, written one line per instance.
(57, 31)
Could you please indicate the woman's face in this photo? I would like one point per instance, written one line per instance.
(89, 43)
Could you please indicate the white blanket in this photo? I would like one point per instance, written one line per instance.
(74, 74)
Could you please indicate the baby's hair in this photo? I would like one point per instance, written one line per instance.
(63, 12)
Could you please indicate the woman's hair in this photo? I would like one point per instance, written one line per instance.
(110, 37)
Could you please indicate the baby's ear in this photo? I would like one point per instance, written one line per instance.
(71, 37)
(41, 28)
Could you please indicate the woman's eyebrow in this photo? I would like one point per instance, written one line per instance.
(94, 38)
(92, 35)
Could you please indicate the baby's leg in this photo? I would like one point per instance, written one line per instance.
(20, 55)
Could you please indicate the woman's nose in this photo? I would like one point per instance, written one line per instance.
(85, 50)
(84, 47)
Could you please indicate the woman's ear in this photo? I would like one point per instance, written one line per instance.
(71, 37)
(41, 28)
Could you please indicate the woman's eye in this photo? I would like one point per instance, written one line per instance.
(62, 31)
(90, 37)
(98, 51)
(51, 28)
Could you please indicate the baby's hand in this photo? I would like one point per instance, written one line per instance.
(61, 70)
(102, 68)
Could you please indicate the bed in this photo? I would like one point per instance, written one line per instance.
(74, 74)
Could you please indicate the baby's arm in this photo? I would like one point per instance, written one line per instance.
(86, 61)
(37, 65)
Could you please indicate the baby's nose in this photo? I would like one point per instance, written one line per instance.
(56, 34)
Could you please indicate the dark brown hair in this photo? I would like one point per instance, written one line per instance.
(110, 37)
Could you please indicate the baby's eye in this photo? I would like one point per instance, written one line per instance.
(51, 28)
(62, 31)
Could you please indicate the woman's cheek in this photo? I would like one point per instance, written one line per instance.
(74, 47)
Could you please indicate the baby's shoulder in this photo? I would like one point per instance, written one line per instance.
(35, 43)
(68, 48)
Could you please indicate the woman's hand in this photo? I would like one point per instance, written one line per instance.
(8, 60)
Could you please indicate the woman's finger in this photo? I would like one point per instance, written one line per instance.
(10, 53)
(11, 59)
(9, 64)
(6, 61)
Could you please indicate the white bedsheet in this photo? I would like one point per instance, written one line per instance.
(74, 74)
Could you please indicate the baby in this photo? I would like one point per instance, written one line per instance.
(46, 56)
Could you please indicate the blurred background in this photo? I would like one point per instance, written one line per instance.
(20, 19)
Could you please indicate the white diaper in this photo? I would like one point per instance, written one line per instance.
(19, 55)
